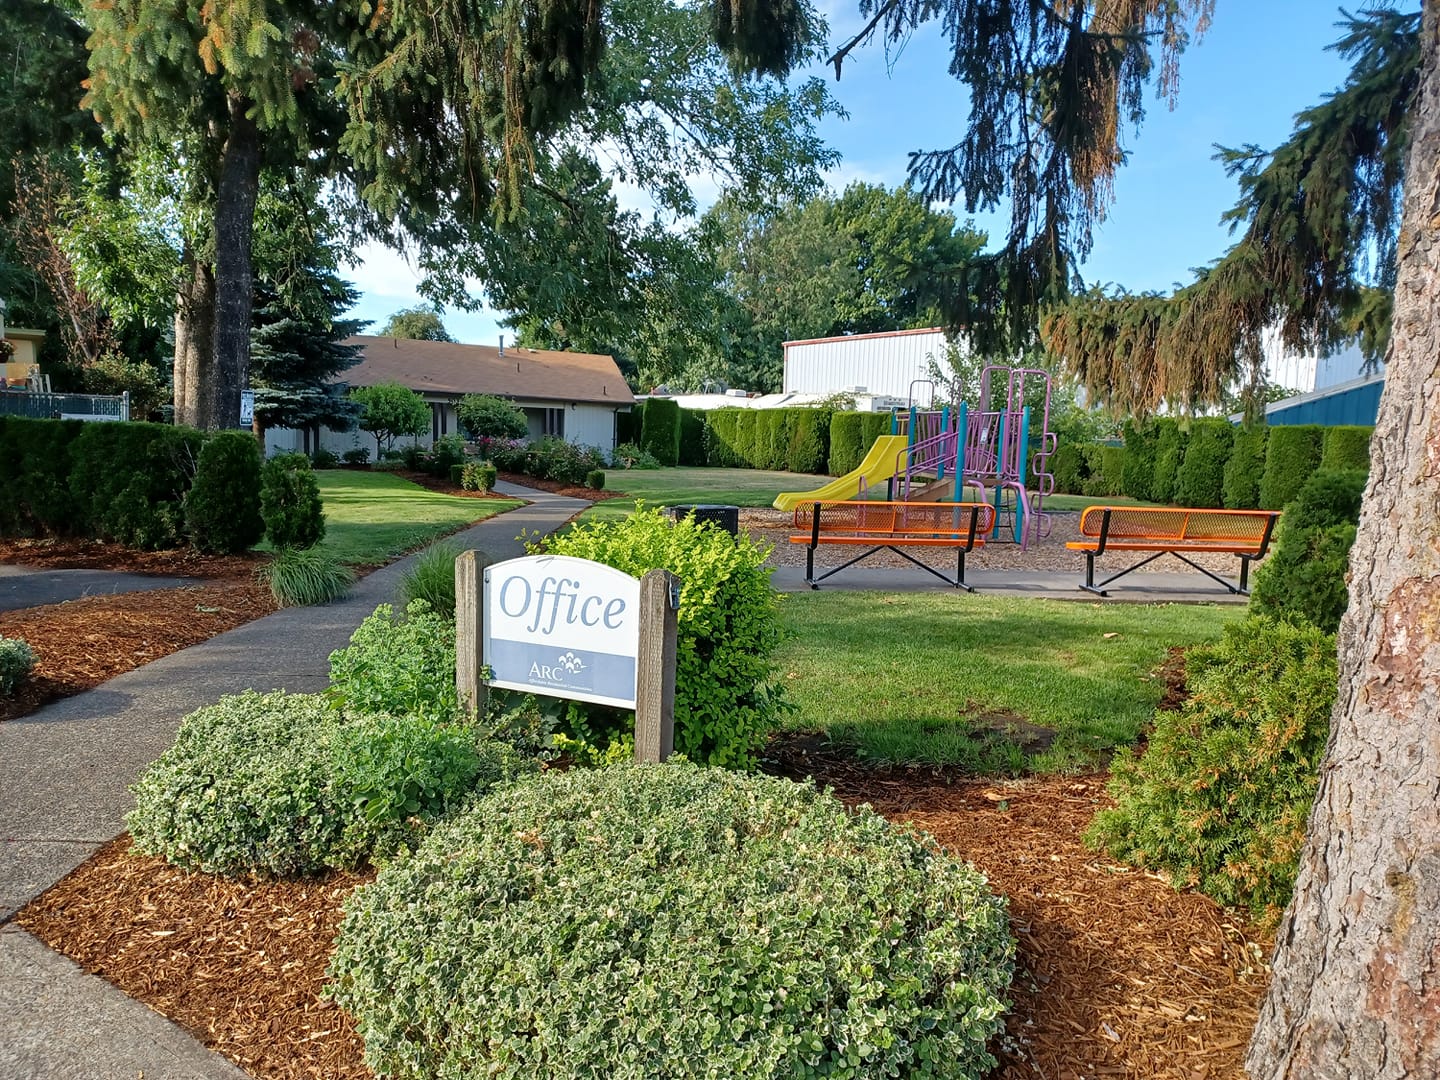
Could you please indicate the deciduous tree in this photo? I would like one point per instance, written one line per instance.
(417, 324)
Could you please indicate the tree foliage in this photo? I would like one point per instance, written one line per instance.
(389, 411)
(419, 323)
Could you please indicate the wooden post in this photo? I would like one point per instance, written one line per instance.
(655, 667)
(469, 629)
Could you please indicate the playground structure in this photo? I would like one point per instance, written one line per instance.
(934, 455)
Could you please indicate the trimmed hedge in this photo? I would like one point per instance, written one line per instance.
(847, 429)
(660, 430)
(693, 439)
(1346, 448)
(1169, 452)
(1201, 480)
(36, 499)
(1070, 468)
(809, 448)
(1138, 475)
(130, 481)
(1240, 487)
(1304, 578)
(222, 507)
(720, 450)
(1292, 455)
(1106, 468)
(290, 503)
(666, 921)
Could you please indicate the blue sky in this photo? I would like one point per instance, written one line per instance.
(1261, 62)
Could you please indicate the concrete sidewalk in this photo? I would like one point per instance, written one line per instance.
(1137, 588)
(65, 772)
(24, 587)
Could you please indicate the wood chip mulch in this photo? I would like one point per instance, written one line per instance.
(1119, 975)
(76, 554)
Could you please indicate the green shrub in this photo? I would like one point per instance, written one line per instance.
(1241, 484)
(1141, 446)
(35, 499)
(693, 438)
(130, 481)
(595, 480)
(673, 922)
(285, 784)
(301, 577)
(457, 475)
(1070, 468)
(1292, 454)
(1201, 479)
(548, 459)
(1105, 466)
(1327, 498)
(809, 441)
(630, 456)
(486, 417)
(290, 504)
(727, 631)
(745, 437)
(360, 455)
(16, 661)
(1346, 448)
(1169, 451)
(720, 449)
(446, 453)
(432, 579)
(846, 430)
(399, 665)
(660, 431)
(477, 476)
(222, 507)
(327, 459)
(1220, 797)
(770, 440)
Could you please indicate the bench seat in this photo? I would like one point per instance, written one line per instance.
(889, 526)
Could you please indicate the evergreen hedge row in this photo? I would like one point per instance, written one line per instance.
(1291, 457)
(1240, 487)
(1200, 480)
(1346, 449)
(1139, 467)
(795, 440)
(660, 430)
(1169, 452)
(846, 431)
(693, 441)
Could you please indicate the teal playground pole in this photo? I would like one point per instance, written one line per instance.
(1023, 453)
(962, 430)
(944, 427)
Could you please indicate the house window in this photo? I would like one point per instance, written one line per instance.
(552, 422)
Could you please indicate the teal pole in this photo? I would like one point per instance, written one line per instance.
(1023, 453)
(962, 431)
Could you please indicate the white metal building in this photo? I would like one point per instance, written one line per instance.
(895, 364)
(1305, 373)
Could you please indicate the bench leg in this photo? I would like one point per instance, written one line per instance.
(959, 581)
(810, 567)
(1089, 584)
(1244, 575)
(1216, 577)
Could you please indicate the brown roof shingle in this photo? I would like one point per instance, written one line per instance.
(442, 367)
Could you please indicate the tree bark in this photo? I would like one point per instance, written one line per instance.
(235, 198)
(1356, 985)
(194, 335)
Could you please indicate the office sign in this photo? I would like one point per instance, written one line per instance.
(563, 627)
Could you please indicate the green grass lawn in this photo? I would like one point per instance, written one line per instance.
(960, 680)
(375, 517)
(669, 487)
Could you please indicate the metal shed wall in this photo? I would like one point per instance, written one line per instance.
(882, 363)
(1347, 405)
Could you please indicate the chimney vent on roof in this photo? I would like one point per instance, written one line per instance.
(502, 346)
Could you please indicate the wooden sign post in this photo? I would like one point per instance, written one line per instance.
(570, 628)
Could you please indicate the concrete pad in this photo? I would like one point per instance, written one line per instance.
(25, 587)
(1137, 588)
(62, 1024)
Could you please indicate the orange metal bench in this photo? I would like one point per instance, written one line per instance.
(888, 526)
(1173, 531)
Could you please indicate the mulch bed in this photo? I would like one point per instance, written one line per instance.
(557, 488)
(77, 554)
(1119, 975)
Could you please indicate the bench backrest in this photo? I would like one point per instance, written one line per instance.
(1162, 524)
(896, 518)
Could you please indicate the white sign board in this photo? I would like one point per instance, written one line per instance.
(247, 407)
(563, 627)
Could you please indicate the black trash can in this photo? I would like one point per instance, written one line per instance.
(722, 517)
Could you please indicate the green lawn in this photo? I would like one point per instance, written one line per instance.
(950, 679)
(669, 487)
(375, 517)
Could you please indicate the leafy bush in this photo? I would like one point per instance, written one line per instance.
(809, 440)
(483, 416)
(130, 481)
(285, 784)
(1202, 474)
(1141, 439)
(1304, 578)
(1105, 466)
(399, 665)
(35, 498)
(1220, 797)
(693, 439)
(630, 456)
(1070, 468)
(290, 502)
(390, 410)
(301, 577)
(328, 459)
(846, 431)
(1292, 454)
(447, 452)
(595, 480)
(660, 430)
(1169, 452)
(432, 579)
(1346, 448)
(1240, 487)
(477, 476)
(360, 455)
(727, 628)
(16, 661)
(669, 921)
(222, 507)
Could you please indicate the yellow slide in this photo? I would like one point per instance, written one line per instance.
(879, 465)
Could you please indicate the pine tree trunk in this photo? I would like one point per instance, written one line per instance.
(194, 337)
(234, 280)
(1356, 986)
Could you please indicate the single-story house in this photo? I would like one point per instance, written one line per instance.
(574, 396)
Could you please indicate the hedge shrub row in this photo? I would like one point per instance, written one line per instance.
(795, 440)
(660, 430)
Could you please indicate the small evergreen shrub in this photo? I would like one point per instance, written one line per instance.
(360, 455)
(402, 665)
(1220, 797)
(809, 441)
(595, 480)
(287, 785)
(673, 922)
(693, 440)
(326, 459)
(720, 448)
(1304, 577)
(457, 475)
(432, 579)
(302, 577)
(1292, 454)
(660, 430)
(222, 507)
(1070, 468)
(728, 629)
(36, 497)
(1240, 487)
(16, 661)
(1327, 498)
(1141, 439)
(846, 431)
(1346, 448)
(1201, 479)
(131, 479)
(477, 476)
(290, 505)
(1169, 452)
(630, 456)
(486, 417)
(1106, 468)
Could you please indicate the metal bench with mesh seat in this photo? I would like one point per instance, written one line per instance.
(1171, 531)
(889, 526)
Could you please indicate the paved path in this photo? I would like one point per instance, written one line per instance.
(65, 772)
(1137, 588)
(26, 587)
